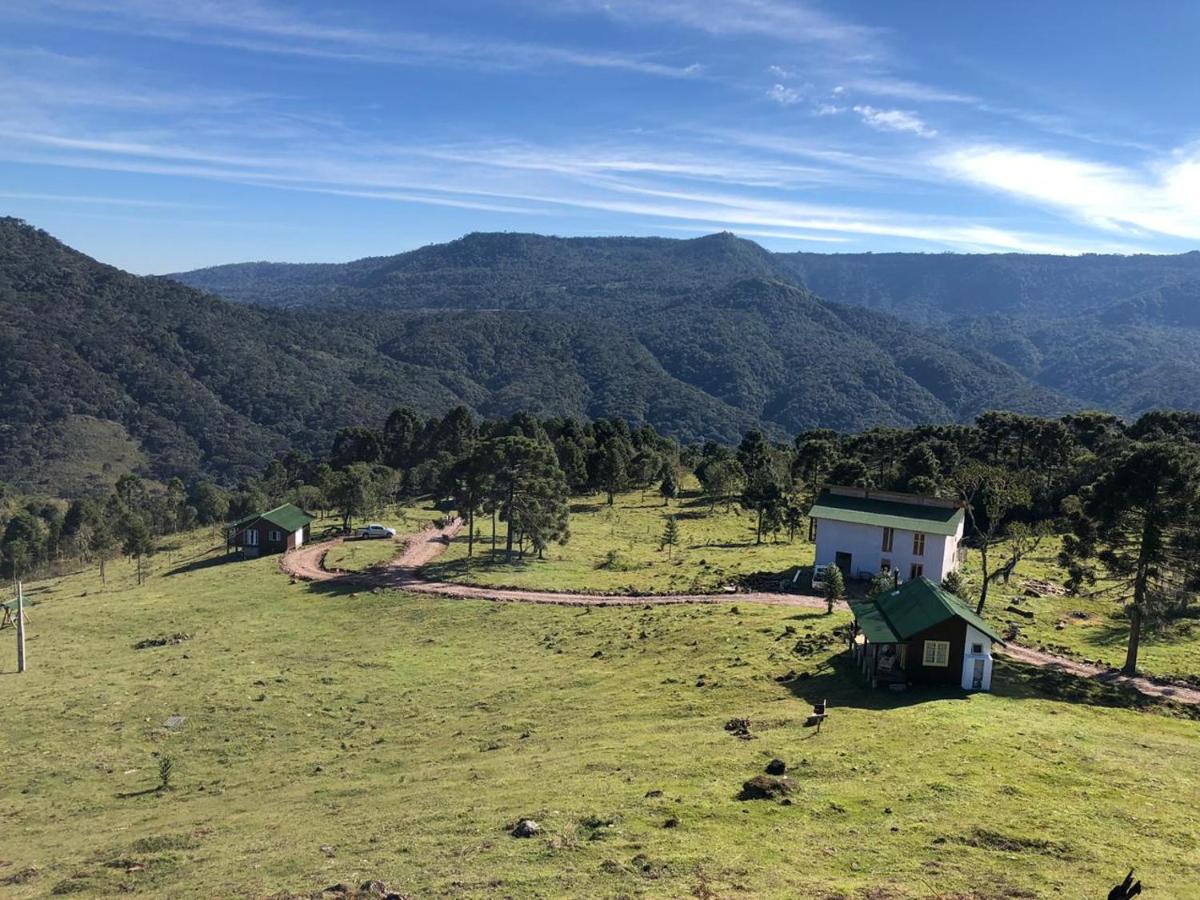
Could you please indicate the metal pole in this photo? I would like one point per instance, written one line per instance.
(20, 627)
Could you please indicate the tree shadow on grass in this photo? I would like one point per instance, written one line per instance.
(206, 562)
(1019, 680)
(145, 792)
(840, 682)
(483, 561)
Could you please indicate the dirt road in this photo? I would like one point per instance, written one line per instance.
(308, 563)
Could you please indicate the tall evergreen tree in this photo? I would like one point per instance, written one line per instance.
(1139, 522)
(669, 487)
(670, 535)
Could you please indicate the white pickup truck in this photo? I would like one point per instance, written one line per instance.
(375, 530)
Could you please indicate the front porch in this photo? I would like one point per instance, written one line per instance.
(880, 663)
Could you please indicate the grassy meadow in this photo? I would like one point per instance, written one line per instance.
(617, 549)
(1092, 628)
(333, 736)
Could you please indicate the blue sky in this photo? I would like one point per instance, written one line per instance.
(161, 135)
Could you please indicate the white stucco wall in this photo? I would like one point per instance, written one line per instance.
(968, 671)
(864, 543)
(299, 538)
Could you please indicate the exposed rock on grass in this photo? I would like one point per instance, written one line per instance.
(766, 787)
(776, 767)
(165, 640)
(739, 728)
(525, 828)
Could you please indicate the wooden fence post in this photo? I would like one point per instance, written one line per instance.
(20, 627)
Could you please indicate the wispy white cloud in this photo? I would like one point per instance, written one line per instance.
(784, 96)
(1163, 197)
(89, 199)
(901, 89)
(260, 28)
(894, 120)
(791, 21)
(636, 191)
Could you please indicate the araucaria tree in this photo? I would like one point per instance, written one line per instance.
(670, 535)
(530, 489)
(612, 468)
(765, 480)
(1139, 522)
(138, 542)
(991, 493)
(670, 485)
(470, 483)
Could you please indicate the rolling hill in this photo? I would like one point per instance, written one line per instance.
(702, 338)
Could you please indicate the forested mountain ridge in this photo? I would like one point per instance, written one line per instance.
(1114, 332)
(701, 338)
(502, 271)
(940, 288)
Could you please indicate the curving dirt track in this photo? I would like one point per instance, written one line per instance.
(308, 564)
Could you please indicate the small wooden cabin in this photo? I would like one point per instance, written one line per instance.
(278, 530)
(919, 633)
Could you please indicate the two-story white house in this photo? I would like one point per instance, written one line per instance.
(864, 531)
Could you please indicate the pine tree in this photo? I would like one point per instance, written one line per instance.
(1139, 521)
(835, 587)
(670, 485)
(670, 535)
(138, 542)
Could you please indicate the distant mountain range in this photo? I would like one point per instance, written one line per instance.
(703, 338)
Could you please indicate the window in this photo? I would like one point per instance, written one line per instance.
(918, 543)
(275, 537)
(251, 537)
(888, 536)
(977, 649)
(915, 571)
(937, 653)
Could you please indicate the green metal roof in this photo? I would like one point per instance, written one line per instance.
(871, 622)
(288, 517)
(887, 513)
(912, 608)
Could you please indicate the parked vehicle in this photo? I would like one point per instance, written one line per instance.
(818, 577)
(375, 530)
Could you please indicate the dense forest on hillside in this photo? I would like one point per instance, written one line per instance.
(702, 339)
(1114, 332)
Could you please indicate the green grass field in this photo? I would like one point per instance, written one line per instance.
(405, 735)
(718, 546)
(1092, 627)
(616, 549)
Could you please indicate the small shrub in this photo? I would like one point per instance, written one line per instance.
(835, 587)
(160, 842)
(956, 583)
(165, 767)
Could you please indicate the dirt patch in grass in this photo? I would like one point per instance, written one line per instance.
(1016, 843)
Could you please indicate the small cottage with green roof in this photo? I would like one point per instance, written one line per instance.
(919, 633)
(864, 531)
(274, 531)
